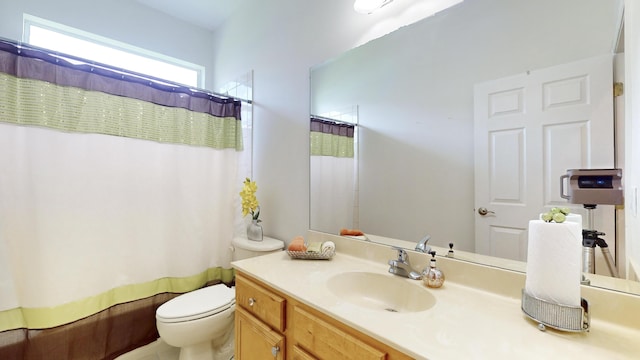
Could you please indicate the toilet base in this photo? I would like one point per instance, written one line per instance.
(220, 349)
(201, 351)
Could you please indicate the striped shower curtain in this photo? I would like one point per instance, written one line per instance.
(117, 192)
(333, 178)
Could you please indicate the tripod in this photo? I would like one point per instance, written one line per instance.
(590, 239)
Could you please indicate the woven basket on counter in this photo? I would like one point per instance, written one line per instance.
(306, 255)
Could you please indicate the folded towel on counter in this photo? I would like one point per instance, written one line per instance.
(314, 246)
(351, 232)
(328, 246)
(297, 244)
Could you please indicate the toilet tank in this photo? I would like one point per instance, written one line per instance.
(243, 248)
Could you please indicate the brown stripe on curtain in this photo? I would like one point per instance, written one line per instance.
(105, 335)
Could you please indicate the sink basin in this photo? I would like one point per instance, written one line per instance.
(381, 292)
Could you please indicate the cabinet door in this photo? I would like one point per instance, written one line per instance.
(255, 340)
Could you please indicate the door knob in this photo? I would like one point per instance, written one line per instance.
(275, 350)
(483, 211)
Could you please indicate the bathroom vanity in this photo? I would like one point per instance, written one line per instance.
(272, 325)
(351, 307)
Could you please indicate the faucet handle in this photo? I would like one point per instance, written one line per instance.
(422, 244)
(402, 255)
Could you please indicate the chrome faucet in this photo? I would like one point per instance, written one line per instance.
(422, 245)
(401, 266)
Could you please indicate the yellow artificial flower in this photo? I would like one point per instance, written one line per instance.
(249, 201)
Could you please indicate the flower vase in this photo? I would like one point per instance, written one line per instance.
(254, 231)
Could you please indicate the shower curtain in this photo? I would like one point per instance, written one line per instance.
(332, 176)
(117, 192)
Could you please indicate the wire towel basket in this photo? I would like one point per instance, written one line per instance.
(557, 316)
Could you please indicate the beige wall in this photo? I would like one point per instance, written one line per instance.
(280, 40)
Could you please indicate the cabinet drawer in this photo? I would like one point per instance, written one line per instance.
(260, 302)
(299, 354)
(326, 341)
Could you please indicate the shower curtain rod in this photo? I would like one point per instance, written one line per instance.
(55, 57)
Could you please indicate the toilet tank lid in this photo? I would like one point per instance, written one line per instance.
(267, 244)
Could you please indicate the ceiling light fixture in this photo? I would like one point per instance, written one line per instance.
(369, 6)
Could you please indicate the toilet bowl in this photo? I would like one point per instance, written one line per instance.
(200, 322)
(197, 322)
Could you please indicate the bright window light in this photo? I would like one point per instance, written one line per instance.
(60, 38)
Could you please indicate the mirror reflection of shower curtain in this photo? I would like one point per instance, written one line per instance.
(333, 175)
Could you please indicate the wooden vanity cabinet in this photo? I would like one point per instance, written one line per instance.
(270, 325)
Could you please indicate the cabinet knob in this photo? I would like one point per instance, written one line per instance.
(275, 350)
(252, 301)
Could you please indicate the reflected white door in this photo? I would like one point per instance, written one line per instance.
(529, 129)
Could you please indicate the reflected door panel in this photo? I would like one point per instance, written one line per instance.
(529, 129)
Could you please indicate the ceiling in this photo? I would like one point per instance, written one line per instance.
(208, 14)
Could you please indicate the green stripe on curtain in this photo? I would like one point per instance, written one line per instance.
(42, 318)
(324, 144)
(70, 109)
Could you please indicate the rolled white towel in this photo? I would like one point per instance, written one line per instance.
(328, 246)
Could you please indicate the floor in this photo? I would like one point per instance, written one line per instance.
(159, 350)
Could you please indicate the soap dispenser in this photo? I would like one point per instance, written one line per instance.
(432, 276)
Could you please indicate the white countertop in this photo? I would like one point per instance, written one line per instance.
(465, 323)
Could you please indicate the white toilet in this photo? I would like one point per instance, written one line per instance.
(200, 322)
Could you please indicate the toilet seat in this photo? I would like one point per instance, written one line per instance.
(197, 304)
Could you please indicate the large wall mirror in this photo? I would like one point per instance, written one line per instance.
(415, 91)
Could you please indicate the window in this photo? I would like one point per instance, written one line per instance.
(242, 88)
(65, 39)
